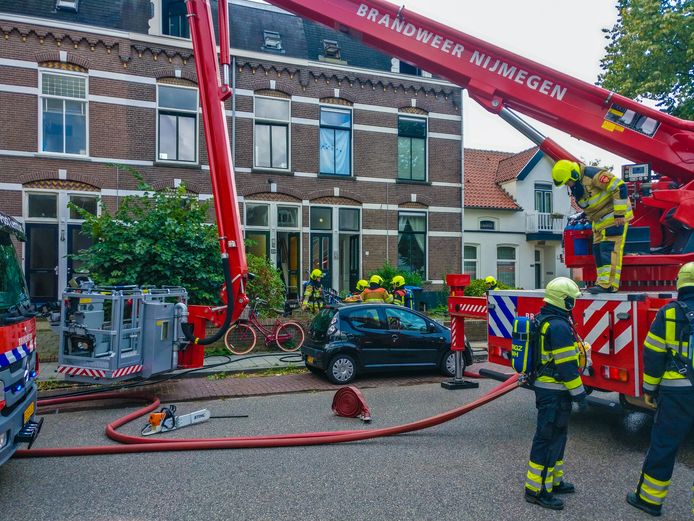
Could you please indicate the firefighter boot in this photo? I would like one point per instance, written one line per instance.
(636, 501)
(544, 499)
(564, 488)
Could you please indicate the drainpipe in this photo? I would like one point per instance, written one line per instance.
(233, 109)
(462, 185)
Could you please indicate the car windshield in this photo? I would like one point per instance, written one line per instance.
(319, 325)
(13, 290)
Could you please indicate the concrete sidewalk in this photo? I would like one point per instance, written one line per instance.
(249, 363)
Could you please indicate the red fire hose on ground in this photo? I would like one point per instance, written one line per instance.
(134, 444)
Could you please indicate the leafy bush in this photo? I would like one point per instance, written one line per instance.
(267, 283)
(477, 288)
(160, 239)
(388, 271)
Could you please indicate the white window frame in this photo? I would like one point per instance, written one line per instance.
(424, 117)
(183, 111)
(515, 262)
(351, 138)
(85, 77)
(476, 260)
(62, 197)
(288, 122)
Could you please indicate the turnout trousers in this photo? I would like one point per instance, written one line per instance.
(608, 250)
(673, 421)
(546, 465)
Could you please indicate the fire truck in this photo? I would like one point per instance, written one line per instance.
(117, 333)
(19, 362)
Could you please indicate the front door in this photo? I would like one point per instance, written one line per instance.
(354, 256)
(41, 262)
(321, 256)
(538, 269)
(288, 247)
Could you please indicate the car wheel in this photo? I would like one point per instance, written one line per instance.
(342, 369)
(448, 364)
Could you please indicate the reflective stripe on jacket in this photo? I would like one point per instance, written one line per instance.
(602, 196)
(376, 295)
(558, 354)
(668, 336)
(313, 297)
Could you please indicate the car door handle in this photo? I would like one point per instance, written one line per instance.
(394, 337)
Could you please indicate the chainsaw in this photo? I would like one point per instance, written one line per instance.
(166, 420)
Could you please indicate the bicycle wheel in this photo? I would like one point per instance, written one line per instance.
(290, 336)
(240, 338)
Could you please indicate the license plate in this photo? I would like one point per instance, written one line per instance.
(29, 412)
(310, 359)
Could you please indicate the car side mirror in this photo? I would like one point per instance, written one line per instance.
(431, 328)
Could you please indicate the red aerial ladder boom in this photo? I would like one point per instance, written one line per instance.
(503, 82)
(500, 80)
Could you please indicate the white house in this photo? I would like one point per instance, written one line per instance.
(514, 218)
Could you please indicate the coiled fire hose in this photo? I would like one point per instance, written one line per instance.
(134, 444)
(350, 403)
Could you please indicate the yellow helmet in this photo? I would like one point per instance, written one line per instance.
(376, 279)
(562, 292)
(565, 170)
(362, 285)
(398, 281)
(316, 274)
(490, 282)
(685, 277)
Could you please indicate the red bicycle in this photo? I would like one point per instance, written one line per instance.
(241, 337)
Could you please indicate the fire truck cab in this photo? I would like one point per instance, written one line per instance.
(18, 358)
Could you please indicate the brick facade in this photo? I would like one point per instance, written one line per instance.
(123, 73)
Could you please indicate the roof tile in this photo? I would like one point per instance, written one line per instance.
(481, 188)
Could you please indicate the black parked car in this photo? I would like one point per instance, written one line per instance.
(347, 340)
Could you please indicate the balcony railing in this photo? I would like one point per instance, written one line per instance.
(539, 222)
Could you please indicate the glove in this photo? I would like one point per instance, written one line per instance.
(650, 400)
(582, 405)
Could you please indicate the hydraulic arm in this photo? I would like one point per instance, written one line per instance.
(214, 90)
(500, 80)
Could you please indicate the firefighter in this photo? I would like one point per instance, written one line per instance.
(490, 283)
(667, 384)
(558, 383)
(605, 200)
(356, 295)
(399, 293)
(313, 294)
(375, 292)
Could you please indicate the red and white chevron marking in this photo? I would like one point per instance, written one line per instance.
(125, 371)
(474, 308)
(597, 324)
(81, 371)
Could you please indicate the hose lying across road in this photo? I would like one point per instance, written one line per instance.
(133, 444)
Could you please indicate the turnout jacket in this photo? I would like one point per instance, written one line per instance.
(313, 297)
(558, 353)
(602, 196)
(376, 294)
(669, 334)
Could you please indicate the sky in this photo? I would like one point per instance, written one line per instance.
(565, 35)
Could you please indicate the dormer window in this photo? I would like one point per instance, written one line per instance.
(331, 49)
(272, 41)
(67, 5)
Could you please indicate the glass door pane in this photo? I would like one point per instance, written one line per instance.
(42, 262)
(321, 256)
(76, 241)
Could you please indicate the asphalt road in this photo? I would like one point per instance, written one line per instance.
(471, 468)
